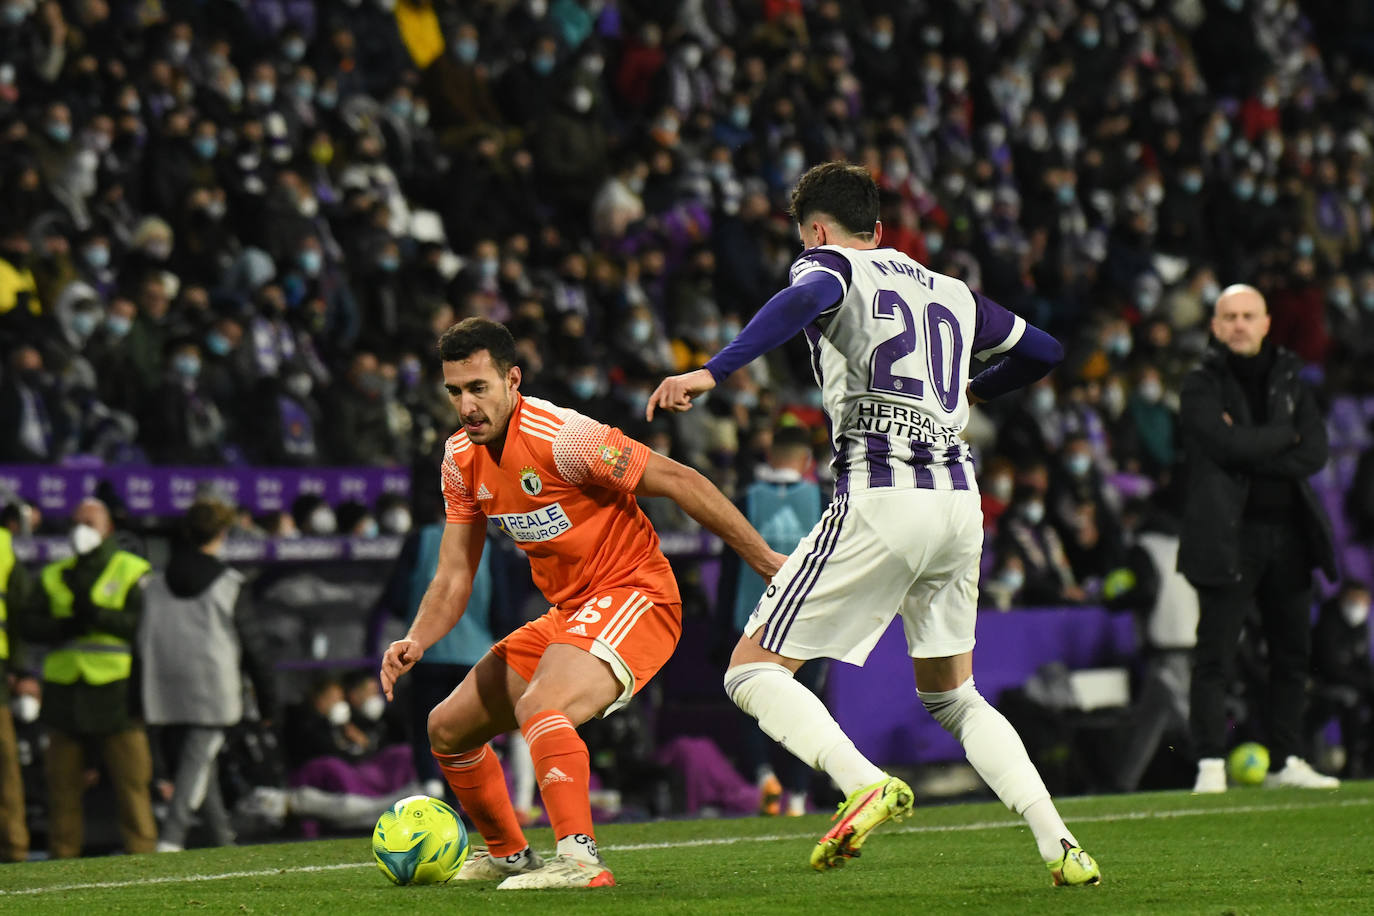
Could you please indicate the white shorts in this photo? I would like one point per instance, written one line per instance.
(873, 555)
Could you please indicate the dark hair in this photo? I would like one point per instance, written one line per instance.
(206, 520)
(846, 193)
(473, 334)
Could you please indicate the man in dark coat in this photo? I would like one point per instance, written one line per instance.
(1253, 530)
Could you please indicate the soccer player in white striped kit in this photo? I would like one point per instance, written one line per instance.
(891, 343)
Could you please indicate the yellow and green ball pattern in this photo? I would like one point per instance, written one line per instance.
(419, 840)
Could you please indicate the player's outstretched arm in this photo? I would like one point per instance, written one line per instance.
(460, 551)
(676, 392)
(700, 499)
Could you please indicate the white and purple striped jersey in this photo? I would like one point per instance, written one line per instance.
(892, 360)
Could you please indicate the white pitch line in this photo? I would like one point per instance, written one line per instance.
(715, 841)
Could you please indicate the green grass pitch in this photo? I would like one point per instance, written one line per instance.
(1248, 851)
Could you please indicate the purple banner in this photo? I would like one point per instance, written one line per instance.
(169, 490)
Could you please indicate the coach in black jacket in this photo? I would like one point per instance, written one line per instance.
(1253, 530)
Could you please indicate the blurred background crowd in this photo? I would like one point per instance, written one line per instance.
(231, 230)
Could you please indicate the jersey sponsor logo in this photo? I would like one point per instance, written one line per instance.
(579, 630)
(543, 524)
(617, 459)
(483, 492)
(530, 482)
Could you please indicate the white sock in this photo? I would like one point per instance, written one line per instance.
(796, 718)
(997, 754)
(581, 847)
(521, 770)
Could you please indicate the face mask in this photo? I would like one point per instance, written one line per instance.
(311, 261)
(1034, 513)
(584, 387)
(1001, 488)
(84, 539)
(97, 256)
(1341, 298)
(370, 529)
(298, 384)
(882, 40)
(327, 99)
(1114, 400)
(1119, 345)
(1244, 189)
(581, 100)
(118, 326)
(465, 49)
(14, 14)
(186, 365)
(897, 170)
(488, 268)
(264, 93)
(373, 707)
(935, 242)
(322, 521)
(719, 171)
(1304, 246)
(1053, 89)
(1066, 193)
(389, 263)
(739, 116)
(1325, 143)
(1042, 400)
(158, 249)
(396, 521)
(1151, 391)
(1012, 580)
(542, 64)
(26, 707)
(1191, 182)
(1354, 612)
(1089, 38)
(594, 64)
(640, 331)
(1078, 464)
(303, 90)
(1066, 135)
(691, 57)
(60, 131)
(958, 81)
(294, 50)
(1367, 300)
(402, 108)
(339, 713)
(205, 147)
(217, 343)
(792, 162)
(1038, 136)
(83, 323)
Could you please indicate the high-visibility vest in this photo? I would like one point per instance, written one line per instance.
(97, 658)
(6, 566)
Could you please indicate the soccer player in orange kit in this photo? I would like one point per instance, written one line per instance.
(563, 487)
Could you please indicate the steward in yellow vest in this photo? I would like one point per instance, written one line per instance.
(14, 590)
(86, 609)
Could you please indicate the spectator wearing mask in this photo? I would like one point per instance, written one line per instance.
(29, 411)
(16, 588)
(196, 640)
(357, 416)
(1024, 532)
(87, 608)
(184, 424)
(1342, 676)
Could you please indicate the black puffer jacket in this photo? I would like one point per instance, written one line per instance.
(1221, 458)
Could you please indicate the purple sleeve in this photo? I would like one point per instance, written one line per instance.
(1030, 358)
(992, 325)
(781, 318)
(819, 260)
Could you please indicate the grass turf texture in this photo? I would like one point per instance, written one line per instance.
(1248, 851)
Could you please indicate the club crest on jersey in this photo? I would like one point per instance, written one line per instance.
(609, 453)
(530, 481)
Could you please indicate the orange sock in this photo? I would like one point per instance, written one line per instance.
(563, 768)
(480, 785)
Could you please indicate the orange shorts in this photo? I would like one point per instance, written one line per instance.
(621, 626)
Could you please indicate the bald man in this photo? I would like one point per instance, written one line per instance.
(86, 610)
(1253, 531)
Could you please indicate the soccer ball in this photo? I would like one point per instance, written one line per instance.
(1248, 763)
(419, 840)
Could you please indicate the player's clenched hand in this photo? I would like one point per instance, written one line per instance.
(769, 566)
(676, 392)
(399, 658)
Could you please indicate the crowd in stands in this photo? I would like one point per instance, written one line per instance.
(230, 231)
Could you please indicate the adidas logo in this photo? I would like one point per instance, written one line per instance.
(553, 775)
(579, 630)
(483, 492)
